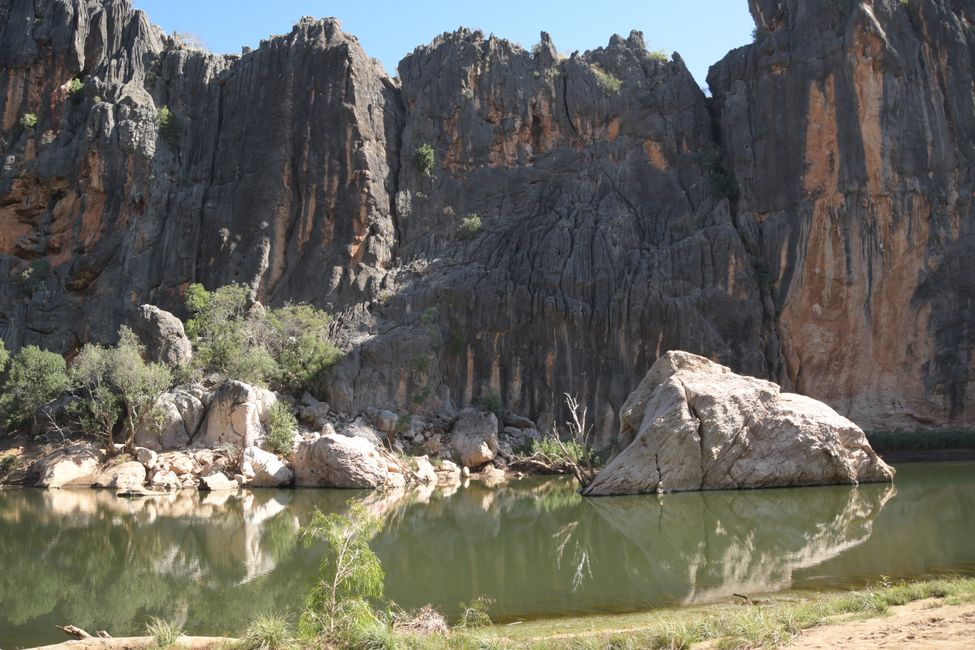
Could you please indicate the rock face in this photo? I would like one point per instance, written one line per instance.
(264, 469)
(810, 224)
(124, 476)
(474, 437)
(338, 461)
(237, 415)
(695, 425)
(163, 336)
(72, 466)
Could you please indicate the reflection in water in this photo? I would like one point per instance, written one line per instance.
(213, 562)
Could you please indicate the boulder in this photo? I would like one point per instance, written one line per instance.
(360, 429)
(217, 482)
(341, 462)
(696, 425)
(386, 421)
(236, 415)
(191, 409)
(124, 476)
(475, 437)
(263, 469)
(147, 457)
(163, 336)
(164, 480)
(71, 466)
(169, 432)
(425, 472)
(313, 413)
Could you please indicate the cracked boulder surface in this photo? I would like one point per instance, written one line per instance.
(581, 216)
(695, 425)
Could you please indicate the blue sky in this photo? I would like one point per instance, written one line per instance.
(701, 30)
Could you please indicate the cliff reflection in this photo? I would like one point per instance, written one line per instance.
(534, 546)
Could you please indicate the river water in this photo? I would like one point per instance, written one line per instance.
(90, 559)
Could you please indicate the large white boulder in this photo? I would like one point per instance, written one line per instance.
(124, 476)
(237, 415)
(339, 461)
(264, 469)
(74, 465)
(693, 424)
(475, 437)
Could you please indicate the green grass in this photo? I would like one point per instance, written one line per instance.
(164, 634)
(268, 632)
(770, 623)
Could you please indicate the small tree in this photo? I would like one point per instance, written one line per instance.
(338, 608)
(4, 357)
(28, 120)
(98, 410)
(115, 383)
(139, 384)
(36, 377)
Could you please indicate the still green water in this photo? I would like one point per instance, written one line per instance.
(538, 549)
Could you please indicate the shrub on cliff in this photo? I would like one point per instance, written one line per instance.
(115, 383)
(423, 159)
(28, 121)
(36, 377)
(4, 357)
(288, 348)
(168, 125)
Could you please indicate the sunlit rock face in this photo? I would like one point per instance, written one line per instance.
(809, 225)
(849, 130)
(692, 424)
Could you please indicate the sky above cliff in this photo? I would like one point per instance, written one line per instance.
(702, 31)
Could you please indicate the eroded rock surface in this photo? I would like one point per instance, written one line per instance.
(237, 415)
(810, 225)
(695, 425)
(339, 461)
(71, 466)
(474, 437)
(163, 336)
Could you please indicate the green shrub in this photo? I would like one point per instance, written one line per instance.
(36, 377)
(28, 120)
(168, 125)
(339, 607)
(469, 226)
(475, 613)
(165, 634)
(301, 347)
(288, 348)
(467, 93)
(607, 82)
(268, 632)
(423, 158)
(491, 401)
(76, 91)
(4, 357)
(659, 55)
(281, 428)
(116, 383)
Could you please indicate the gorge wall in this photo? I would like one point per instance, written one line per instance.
(811, 224)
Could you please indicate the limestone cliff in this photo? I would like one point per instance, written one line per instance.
(811, 224)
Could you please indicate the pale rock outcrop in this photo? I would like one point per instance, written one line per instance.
(448, 473)
(217, 482)
(71, 466)
(164, 480)
(124, 476)
(147, 457)
(237, 415)
(361, 429)
(693, 424)
(341, 462)
(263, 469)
(425, 472)
(163, 336)
(386, 421)
(475, 437)
(181, 414)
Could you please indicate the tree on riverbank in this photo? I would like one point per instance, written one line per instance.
(115, 383)
(35, 378)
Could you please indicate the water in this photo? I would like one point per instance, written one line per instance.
(536, 547)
